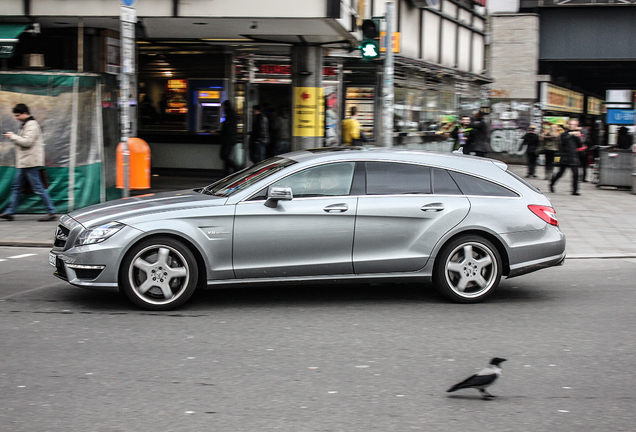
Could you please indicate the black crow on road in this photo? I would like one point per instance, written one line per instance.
(482, 379)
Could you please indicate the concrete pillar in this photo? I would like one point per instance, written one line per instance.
(308, 107)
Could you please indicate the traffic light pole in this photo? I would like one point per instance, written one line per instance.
(387, 88)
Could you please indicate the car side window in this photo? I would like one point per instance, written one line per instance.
(320, 181)
(393, 178)
(443, 184)
(471, 185)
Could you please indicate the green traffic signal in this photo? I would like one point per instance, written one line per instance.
(370, 50)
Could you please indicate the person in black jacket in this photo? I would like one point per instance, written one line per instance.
(570, 141)
(478, 138)
(531, 140)
(228, 138)
(624, 140)
(259, 136)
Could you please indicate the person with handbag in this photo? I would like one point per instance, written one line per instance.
(29, 159)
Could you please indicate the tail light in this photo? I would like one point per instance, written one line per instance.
(548, 214)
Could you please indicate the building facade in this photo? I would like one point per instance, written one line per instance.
(191, 55)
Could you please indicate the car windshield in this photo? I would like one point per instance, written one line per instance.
(237, 182)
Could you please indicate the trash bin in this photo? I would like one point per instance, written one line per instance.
(616, 167)
(139, 163)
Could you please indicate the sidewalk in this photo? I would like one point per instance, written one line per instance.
(600, 223)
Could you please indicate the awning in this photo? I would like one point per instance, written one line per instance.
(9, 34)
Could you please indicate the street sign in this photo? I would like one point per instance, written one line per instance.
(128, 2)
(620, 116)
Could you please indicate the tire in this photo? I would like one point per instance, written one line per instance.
(468, 269)
(159, 274)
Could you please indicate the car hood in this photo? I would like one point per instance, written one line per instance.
(126, 208)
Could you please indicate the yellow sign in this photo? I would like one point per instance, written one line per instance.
(209, 95)
(309, 112)
(594, 106)
(395, 44)
(556, 98)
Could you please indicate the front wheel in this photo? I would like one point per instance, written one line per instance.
(468, 269)
(159, 274)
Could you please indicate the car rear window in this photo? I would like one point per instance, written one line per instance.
(523, 181)
(443, 184)
(393, 178)
(471, 185)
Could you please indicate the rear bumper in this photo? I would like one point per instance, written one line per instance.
(529, 267)
(534, 250)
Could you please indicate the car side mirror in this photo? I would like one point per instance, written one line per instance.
(278, 193)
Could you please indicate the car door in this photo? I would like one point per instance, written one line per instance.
(310, 235)
(399, 220)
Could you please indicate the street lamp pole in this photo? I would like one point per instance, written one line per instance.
(387, 88)
(128, 19)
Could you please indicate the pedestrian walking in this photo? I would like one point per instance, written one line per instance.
(350, 128)
(570, 141)
(460, 133)
(259, 136)
(582, 154)
(549, 147)
(477, 142)
(531, 141)
(228, 138)
(29, 159)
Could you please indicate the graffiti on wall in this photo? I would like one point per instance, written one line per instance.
(509, 121)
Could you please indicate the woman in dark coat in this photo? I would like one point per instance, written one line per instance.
(570, 141)
(531, 140)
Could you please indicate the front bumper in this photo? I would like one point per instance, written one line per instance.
(95, 265)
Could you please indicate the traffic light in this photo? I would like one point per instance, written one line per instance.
(370, 46)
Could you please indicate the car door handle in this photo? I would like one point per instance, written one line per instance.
(433, 207)
(336, 208)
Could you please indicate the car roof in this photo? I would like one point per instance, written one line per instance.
(460, 162)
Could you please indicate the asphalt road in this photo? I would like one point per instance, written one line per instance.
(320, 358)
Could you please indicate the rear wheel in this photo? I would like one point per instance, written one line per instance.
(159, 274)
(468, 269)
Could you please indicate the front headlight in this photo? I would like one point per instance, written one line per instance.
(98, 234)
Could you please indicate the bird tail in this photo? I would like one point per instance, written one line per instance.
(454, 388)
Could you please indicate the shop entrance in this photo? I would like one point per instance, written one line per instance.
(275, 101)
(274, 97)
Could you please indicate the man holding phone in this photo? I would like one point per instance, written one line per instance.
(29, 158)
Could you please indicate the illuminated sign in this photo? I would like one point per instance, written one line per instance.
(274, 69)
(594, 106)
(179, 85)
(554, 98)
(209, 95)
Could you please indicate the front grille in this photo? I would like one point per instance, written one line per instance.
(87, 273)
(61, 235)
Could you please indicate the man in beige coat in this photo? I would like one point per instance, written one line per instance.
(29, 158)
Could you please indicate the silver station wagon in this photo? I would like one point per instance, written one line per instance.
(330, 214)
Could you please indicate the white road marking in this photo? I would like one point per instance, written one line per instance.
(22, 256)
